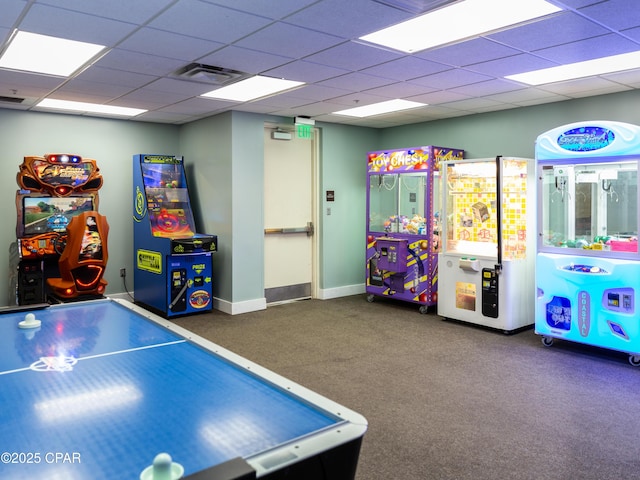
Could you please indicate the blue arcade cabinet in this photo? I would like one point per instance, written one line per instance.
(587, 262)
(173, 270)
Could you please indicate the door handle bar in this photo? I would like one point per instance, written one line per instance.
(308, 229)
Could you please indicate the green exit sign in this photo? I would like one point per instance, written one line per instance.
(303, 131)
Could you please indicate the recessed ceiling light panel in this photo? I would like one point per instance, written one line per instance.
(252, 88)
(89, 107)
(455, 22)
(380, 108)
(32, 52)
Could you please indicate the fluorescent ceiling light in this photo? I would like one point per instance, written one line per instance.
(458, 21)
(588, 68)
(252, 88)
(89, 107)
(380, 108)
(50, 55)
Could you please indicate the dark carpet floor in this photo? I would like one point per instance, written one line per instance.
(446, 400)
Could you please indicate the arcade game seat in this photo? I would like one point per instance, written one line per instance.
(83, 261)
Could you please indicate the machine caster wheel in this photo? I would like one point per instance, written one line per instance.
(634, 360)
(423, 309)
(370, 298)
(547, 341)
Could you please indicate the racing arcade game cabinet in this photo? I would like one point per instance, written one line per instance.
(173, 271)
(54, 189)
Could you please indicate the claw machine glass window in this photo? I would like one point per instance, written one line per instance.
(590, 206)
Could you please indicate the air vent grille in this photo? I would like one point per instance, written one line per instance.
(11, 99)
(200, 72)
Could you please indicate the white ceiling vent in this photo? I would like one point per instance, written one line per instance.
(199, 72)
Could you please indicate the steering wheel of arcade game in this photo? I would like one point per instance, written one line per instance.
(59, 243)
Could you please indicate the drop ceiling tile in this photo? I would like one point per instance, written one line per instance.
(207, 21)
(303, 71)
(168, 44)
(511, 65)
(353, 18)
(115, 77)
(74, 25)
(555, 30)
(400, 90)
(289, 40)
(450, 79)
(406, 68)
(438, 98)
(123, 10)
(10, 12)
(581, 85)
(615, 14)
(588, 49)
(139, 63)
(356, 82)
(629, 78)
(353, 56)
(468, 52)
(489, 87)
(273, 10)
(316, 93)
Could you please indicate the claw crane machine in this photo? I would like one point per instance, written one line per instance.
(486, 264)
(588, 267)
(403, 223)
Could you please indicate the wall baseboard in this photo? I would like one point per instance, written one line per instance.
(247, 306)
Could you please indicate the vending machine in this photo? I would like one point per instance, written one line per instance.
(486, 263)
(403, 223)
(587, 262)
(173, 269)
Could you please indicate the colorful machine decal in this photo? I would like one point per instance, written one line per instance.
(587, 261)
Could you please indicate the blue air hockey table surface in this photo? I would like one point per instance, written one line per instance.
(103, 386)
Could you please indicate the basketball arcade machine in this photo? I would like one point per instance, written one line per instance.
(403, 223)
(486, 265)
(173, 270)
(57, 204)
(588, 267)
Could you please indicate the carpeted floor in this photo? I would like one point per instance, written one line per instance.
(446, 400)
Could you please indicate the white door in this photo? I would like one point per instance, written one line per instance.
(288, 217)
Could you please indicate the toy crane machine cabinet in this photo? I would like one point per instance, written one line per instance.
(173, 269)
(403, 222)
(587, 263)
(61, 247)
(487, 259)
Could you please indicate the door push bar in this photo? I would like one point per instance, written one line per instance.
(308, 229)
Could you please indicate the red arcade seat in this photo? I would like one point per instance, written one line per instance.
(84, 259)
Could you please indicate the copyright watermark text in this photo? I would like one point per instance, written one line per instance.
(39, 457)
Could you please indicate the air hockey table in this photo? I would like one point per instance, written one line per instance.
(102, 387)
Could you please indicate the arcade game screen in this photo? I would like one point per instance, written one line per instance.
(51, 214)
(590, 206)
(168, 200)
